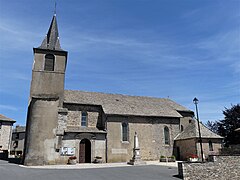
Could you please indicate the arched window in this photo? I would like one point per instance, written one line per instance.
(49, 62)
(124, 131)
(84, 119)
(182, 128)
(210, 145)
(166, 135)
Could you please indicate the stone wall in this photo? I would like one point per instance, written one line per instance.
(5, 135)
(40, 142)
(186, 119)
(19, 140)
(150, 134)
(223, 167)
(186, 148)
(216, 143)
(94, 115)
(98, 146)
(192, 146)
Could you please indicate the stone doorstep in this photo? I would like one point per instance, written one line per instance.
(102, 165)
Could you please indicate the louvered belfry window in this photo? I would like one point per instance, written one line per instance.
(49, 62)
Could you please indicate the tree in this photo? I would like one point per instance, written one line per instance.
(227, 126)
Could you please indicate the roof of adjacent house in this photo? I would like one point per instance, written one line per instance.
(19, 129)
(4, 118)
(191, 131)
(118, 104)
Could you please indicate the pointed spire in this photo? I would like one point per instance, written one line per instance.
(51, 40)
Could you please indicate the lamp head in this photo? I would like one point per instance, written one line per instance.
(195, 100)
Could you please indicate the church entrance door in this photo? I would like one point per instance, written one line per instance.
(85, 151)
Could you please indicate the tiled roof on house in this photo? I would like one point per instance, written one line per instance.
(19, 129)
(4, 118)
(117, 104)
(191, 131)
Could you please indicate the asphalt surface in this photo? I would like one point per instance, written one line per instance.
(10, 171)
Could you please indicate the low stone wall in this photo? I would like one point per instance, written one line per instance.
(223, 168)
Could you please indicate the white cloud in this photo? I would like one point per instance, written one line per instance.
(8, 107)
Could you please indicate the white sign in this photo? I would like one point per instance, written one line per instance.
(66, 151)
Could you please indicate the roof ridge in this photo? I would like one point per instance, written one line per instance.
(150, 97)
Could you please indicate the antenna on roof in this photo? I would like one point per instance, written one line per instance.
(55, 8)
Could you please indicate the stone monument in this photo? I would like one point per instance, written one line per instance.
(136, 159)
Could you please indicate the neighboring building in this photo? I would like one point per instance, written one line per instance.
(5, 135)
(63, 123)
(187, 142)
(18, 137)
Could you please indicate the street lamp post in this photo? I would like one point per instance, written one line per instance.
(195, 101)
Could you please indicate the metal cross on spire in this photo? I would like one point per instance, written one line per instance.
(55, 8)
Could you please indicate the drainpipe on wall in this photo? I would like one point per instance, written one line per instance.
(106, 143)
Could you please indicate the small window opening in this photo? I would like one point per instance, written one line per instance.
(124, 131)
(166, 135)
(84, 119)
(49, 62)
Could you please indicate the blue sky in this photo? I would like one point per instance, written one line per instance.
(160, 48)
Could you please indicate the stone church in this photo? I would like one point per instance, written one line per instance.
(63, 123)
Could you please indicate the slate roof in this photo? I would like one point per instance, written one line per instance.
(51, 40)
(191, 131)
(4, 118)
(19, 129)
(117, 104)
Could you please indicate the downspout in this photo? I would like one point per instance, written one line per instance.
(106, 150)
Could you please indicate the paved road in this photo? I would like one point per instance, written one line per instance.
(9, 171)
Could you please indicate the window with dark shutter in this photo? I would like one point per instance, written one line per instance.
(49, 62)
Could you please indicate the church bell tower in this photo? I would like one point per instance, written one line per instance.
(46, 97)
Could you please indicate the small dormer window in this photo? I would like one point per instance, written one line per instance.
(49, 62)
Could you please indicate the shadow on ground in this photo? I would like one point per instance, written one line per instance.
(13, 160)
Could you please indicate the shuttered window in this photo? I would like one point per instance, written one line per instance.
(49, 62)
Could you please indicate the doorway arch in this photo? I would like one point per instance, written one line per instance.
(85, 151)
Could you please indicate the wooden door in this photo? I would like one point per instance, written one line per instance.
(85, 151)
(82, 151)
